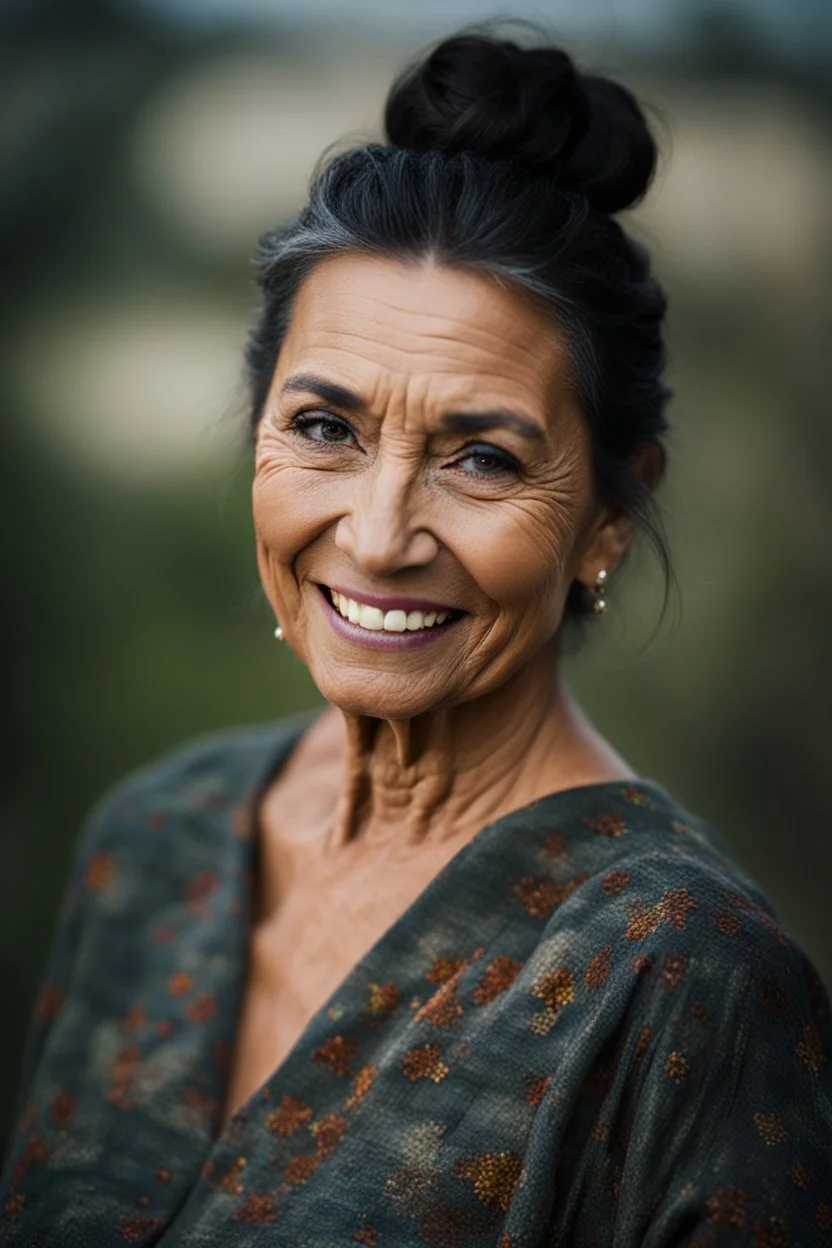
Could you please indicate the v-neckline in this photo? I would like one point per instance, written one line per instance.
(551, 803)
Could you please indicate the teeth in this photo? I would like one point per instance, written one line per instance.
(396, 621)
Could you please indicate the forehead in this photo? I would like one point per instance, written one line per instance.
(361, 315)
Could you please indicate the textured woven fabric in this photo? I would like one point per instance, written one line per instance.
(589, 1029)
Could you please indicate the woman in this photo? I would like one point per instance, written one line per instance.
(435, 966)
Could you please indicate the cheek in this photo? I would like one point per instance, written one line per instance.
(518, 555)
(290, 507)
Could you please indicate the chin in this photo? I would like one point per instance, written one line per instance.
(380, 698)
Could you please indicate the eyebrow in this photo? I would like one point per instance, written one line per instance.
(308, 383)
(451, 422)
(478, 422)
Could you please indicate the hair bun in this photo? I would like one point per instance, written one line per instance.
(474, 93)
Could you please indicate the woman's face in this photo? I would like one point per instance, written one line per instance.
(420, 452)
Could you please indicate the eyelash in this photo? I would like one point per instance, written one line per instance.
(507, 464)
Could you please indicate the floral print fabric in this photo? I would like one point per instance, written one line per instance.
(589, 1030)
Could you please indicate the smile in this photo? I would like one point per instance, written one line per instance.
(398, 622)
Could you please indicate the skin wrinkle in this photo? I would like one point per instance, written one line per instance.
(392, 516)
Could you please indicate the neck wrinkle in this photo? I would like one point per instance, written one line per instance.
(443, 775)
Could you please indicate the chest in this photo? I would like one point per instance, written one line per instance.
(331, 913)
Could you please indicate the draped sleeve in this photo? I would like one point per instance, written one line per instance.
(706, 1122)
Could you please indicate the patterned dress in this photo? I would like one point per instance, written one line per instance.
(588, 1030)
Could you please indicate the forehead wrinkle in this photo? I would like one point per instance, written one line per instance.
(403, 359)
(461, 334)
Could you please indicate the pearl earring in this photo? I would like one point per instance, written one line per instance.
(278, 632)
(599, 606)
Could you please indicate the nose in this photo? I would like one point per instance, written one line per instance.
(384, 532)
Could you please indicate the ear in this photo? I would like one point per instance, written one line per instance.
(613, 529)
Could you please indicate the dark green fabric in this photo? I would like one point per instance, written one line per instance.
(589, 1030)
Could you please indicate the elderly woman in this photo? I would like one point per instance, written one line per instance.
(434, 966)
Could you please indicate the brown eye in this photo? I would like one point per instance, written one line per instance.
(487, 461)
(324, 428)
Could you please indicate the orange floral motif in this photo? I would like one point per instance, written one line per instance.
(823, 1217)
(100, 870)
(643, 963)
(289, 1117)
(134, 1229)
(536, 1087)
(199, 889)
(35, 1152)
(300, 1169)
(383, 998)
(361, 1085)
(727, 1207)
(615, 882)
(336, 1054)
(771, 1127)
(609, 824)
(121, 1075)
(676, 1067)
(180, 984)
(163, 1175)
(133, 1020)
(425, 1063)
(674, 907)
(442, 1009)
(636, 796)
(366, 1235)
(699, 1011)
(328, 1133)
(644, 1037)
(810, 1052)
(727, 922)
(494, 1175)
(799, 1175)
(63, 1109)
(232, 1180)
(557, 989)
(258, 1210)
(598, 971)
(442, 969)
(542, 897)
(203, 1008)
(15, 1205)
(770, 1233)
(499, 975)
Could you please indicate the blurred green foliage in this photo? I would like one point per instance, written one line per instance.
(133, 617)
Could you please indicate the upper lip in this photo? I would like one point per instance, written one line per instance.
(393, 602)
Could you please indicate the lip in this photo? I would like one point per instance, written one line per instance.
(395, 603)
(381, 640)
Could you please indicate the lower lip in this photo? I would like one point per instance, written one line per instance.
(379, 640)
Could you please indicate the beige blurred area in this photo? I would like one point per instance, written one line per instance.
(141, 161)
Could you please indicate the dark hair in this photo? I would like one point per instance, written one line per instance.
(508, 161)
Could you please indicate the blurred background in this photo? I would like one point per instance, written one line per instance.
(143, 147)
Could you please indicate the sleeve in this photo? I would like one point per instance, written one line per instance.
(708, 1120)
(89, 869)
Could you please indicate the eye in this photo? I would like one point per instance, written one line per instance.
(487, 461)
(323, 427)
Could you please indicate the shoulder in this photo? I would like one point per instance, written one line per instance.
(219, 771)
(664, 904)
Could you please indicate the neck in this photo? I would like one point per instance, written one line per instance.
(443, 775)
